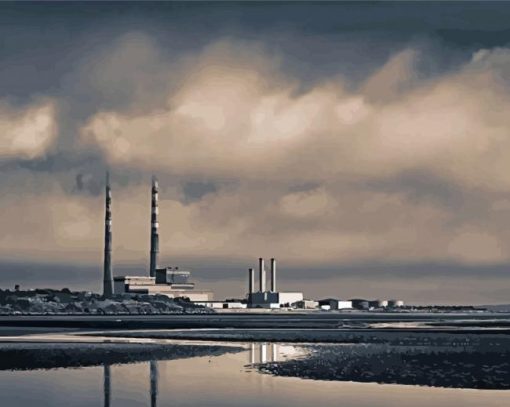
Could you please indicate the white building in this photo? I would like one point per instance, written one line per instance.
(344, 304)
(278, 299)
(222, 304)
(307, 304)
(334, 304)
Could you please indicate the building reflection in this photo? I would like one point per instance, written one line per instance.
(266, 352)
(107, 386)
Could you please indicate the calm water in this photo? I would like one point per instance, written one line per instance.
(226, 380)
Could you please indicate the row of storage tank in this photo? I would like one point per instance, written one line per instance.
(360, 304)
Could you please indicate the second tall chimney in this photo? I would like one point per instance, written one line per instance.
(107, 267)
(262, 275)
(154, 228)
(273, 275)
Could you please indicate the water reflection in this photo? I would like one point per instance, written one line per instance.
(221, 381)
(45, 355)
(154, 382)
(153, 375)
(107, 385)
(272, 352)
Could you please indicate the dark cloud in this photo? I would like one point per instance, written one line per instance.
(195, 190)
(420, 186)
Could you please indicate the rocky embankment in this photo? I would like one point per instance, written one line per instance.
(65, 302)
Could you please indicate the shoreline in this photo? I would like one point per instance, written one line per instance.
(351, 320)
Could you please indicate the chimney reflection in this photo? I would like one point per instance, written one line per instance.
(266, 353)
(154, 382)
(274, 352)
(263, 353)
(252, 354)
(107, 385)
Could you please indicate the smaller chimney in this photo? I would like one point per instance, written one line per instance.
(262, 275)
(251, 281)
(273, 275)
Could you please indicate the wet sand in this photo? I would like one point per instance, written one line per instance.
(460, 359)
(277, 320)
(41, 355)
(27, 330)
(422, 337)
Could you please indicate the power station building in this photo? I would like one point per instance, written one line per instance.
(271, 298)
(169, 281)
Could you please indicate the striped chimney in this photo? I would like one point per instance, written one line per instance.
(154, 228)
(107, 268)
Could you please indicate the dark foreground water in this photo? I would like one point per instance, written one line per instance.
(227, 379)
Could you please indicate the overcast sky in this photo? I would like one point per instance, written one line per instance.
(366, 146)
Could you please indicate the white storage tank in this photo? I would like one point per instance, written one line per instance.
(395, 303)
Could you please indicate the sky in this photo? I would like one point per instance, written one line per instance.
(366, 146)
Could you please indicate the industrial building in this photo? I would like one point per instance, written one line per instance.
(307, 304)
(165, 285)
(169, 281)
(334, 304)
(269, 298)
(237, 305)
(360, 304)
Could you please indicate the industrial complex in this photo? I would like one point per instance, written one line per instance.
(174, 282)
(269, 298)
(169, 281)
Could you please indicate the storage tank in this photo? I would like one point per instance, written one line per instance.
(395, 303)
(378, 304)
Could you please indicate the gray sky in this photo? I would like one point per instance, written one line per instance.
(364, 145)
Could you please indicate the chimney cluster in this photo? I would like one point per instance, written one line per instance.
(262, 277)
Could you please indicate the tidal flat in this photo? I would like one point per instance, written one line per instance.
(47, 355)
(462, 367)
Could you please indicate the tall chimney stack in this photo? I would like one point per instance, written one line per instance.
(107, 268)
(251, 281)
(262, 275)
(154, 228)
(273, 275)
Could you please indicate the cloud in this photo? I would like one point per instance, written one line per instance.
(391, 80)
(27, 132)
(388, 161)
(400, 168)
(231, 118)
